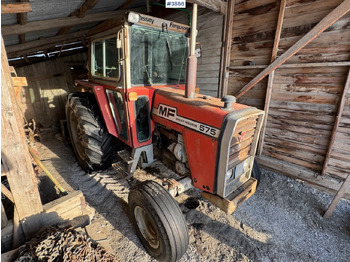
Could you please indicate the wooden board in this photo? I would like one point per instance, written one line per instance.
(65, 208)
(15, 156)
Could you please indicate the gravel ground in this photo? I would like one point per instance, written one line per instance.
(281, 222)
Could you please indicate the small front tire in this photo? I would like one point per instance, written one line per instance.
(159, 222)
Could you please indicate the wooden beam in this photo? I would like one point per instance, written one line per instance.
(125, 4)
(15, 8)
(80, 12)
(108, 24)
(15, 158)
(337, 197)
(214, 5)
(22, 20)
(325, 23)
(272, 75)
(226, 52)
(85, 7)
(336, 124)
(56, 23)
(7, 193)
(298, 65)
(65, 208)
(4, 219)
(44, 43)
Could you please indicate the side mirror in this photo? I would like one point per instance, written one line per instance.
(198, 52)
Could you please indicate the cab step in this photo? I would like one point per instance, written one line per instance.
(126, 156)
(122, 168)
(235, 199)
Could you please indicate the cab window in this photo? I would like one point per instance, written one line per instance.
(142, 118)
(105, 58)
(116, 103)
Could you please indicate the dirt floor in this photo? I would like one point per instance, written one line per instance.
(281, 222)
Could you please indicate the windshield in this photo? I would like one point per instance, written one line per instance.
(157, 57)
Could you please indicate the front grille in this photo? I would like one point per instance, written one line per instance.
(237, 145)
(241, 141)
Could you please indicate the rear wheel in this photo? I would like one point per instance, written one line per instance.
(158, 221)
(92, 144)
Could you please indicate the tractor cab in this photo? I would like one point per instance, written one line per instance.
(129, 63)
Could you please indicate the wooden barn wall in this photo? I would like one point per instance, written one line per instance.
(210, 26)
(45, 96)
(304, 100)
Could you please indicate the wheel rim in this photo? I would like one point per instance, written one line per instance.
(147, 226)
(77, 135)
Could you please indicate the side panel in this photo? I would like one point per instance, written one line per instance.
(201, 153)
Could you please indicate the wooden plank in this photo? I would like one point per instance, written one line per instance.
(41, 44)
(214, 5)
(7, 193)
(80, 12)
(4, 220)
(325, 23)
(65, 208)
(22, 19)
(337, 197)
(298, 65)
(326, 183)
(15, 157)
(271, 76)
(6, 257)
(15, 8)
(336, 124)
(19, 81)
(57, 22)
(85, 7)
(226, 49)
(16, 229)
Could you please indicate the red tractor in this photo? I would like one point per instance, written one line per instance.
(139, 93)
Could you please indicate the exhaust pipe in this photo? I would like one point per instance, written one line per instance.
(191, 72)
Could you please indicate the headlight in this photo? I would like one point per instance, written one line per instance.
(246, 164)
(230, 174)
(133, 17)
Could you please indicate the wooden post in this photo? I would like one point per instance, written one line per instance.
(15, 157)
(336, 124)
(22, 20)
(337, 197)
(325, 23)
(272, 75)
(226, 51)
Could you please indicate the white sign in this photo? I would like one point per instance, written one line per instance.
(175, 3)
(170, 113)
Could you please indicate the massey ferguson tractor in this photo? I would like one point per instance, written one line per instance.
(141, 91)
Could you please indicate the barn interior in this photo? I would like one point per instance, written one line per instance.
(290, 58)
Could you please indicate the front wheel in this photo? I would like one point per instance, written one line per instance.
(158, 221)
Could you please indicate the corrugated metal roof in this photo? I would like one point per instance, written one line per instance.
(51, 9)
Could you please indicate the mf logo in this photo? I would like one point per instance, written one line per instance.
(166, 111)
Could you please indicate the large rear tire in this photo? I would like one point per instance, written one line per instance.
(92, 144)
(158, 221)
